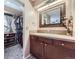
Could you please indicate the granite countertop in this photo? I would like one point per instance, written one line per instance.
(55, 36)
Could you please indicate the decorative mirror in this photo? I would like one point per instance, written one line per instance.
(53, 17)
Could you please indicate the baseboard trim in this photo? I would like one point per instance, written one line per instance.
(27, 56)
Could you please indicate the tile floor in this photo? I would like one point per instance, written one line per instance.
(31, 57)
(14, 52)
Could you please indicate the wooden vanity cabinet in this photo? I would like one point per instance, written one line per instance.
(46, 48)
(51, 52)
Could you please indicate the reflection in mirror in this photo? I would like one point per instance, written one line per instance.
(53, 16)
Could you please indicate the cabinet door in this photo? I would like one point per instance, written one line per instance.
(51, 52)
(59, 50)
(36, 47)
(68, 51)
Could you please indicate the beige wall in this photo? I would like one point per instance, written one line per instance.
(30, 23)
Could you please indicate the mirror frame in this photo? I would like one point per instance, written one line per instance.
(62, 15)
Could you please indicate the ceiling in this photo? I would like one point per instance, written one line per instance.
(14, 6)
(37, 2)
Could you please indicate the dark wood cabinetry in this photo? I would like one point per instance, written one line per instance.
(45, 48)
(9, 39)
(36, 47)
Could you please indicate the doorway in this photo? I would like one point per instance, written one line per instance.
(13, 29)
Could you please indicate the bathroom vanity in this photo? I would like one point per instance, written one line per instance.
(53, 43)
(51, 46)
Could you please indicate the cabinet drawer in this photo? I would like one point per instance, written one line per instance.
(9, 40)
(57, 42)
(45, 40)
(9, 35)
(33, 37)
(6, 36)
(12, 35)
(48, 41)
(65, 44)
(69, 45)
(12, 39)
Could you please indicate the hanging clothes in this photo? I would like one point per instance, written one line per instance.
(19, 28)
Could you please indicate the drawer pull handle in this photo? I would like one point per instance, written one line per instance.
(45, 44)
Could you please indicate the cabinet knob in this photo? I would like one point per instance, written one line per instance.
(41, 43)
(32, 37)
(45, 44)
